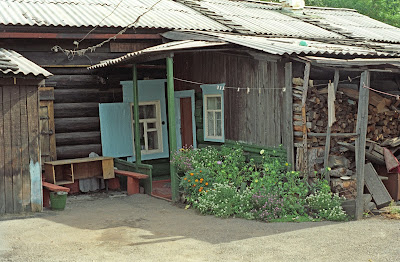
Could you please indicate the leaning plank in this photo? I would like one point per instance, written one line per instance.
(376, 187)
(55, 188)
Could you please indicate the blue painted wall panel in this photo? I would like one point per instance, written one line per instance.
(116, 129)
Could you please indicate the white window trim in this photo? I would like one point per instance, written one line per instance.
(158, 128)
(206, 110)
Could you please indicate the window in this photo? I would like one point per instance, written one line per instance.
(213, 112)
(150, 127)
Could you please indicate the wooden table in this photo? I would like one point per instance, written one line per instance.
(62, 172)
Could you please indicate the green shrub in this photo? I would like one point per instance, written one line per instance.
(326, 205)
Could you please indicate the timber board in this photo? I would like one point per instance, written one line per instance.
(375, 186)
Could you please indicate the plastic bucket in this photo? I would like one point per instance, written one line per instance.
(58, 200)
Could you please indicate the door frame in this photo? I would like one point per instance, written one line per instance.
(178, 95)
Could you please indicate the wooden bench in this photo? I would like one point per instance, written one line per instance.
(47, 187)
(133, 178)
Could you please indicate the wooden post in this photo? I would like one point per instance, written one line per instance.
(289, 114)
(172, 126)
(304, 118)
(362, 122)
(138, 149)
(328, 131)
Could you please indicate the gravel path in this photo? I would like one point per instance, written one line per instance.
(106, 227)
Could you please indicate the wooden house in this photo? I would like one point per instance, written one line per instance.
(252, 60)
(20, 169)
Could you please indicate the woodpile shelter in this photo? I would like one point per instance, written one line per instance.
(20, 169)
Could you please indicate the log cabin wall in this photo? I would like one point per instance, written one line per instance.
(77, 93)
(256, 117)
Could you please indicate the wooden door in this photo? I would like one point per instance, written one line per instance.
(185, 122)
(47, 130)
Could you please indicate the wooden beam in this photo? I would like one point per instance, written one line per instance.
(328, 131)
(333, 134)
(136, 126)
(304, 118)
(172, 127)
(17, 35)
(361, 127)
(289, 114)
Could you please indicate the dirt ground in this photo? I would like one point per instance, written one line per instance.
(116, 227)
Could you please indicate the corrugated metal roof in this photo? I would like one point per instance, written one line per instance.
(12, 63)
(282, 46)
(357, 24)
(269, 19)
(160, 49)
(262, 18)
(165, 14)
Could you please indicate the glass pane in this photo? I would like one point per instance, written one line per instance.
(210, 124)
(141, 126)
(151, 125)
(147, 111)
(152, 140)
(218, 123)
(213, 103)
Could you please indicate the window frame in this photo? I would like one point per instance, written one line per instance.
(210, 91)
(158, 128)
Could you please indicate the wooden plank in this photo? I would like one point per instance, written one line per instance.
(66, 152)
(66, 125)
(34, 149)
(16, 149)
(361, 127)
(62, 110)
(26, 178)
(108, 168)
(288, 137)
(7, 149)
(46, 93)
(375, 186)
(304, 118)
(55, 188)
(130, 174)
(2, 156)
(78, 138)
(328, 130)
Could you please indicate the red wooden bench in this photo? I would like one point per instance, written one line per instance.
(132, 180)
(47, 187)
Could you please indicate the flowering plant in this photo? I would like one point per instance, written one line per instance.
(195, 182)
(326, 205)
(267, 206)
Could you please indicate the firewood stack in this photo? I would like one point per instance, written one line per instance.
(383, 130)
(383, 116)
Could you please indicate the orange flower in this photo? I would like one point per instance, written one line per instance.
(194, 185)
(191, 174)
(206, 191)
(189, 180)
(206, 183)
(201, 181)
(196, 180)
(200, 171)
(185, 178)
(200, 190)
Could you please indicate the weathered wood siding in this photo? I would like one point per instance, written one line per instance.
(256, 117)
(19, 145)
(77, 93)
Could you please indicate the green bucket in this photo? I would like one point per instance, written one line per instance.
(58, 200)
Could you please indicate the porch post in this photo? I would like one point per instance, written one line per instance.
(138, 153)
(172, 126)
(362, 123)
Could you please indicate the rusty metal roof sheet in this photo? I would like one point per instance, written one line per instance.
(282, 46)
(105, 13)
(159, 49)
(12, 63)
